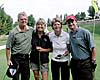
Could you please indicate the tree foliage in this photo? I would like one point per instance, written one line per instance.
(64, 20)
(49, 22)
(15, 24)
(91, 11)
(5, 21)
(83, 15)
(31, 21)
(80, 16)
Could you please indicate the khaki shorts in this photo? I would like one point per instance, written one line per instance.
(42, 67)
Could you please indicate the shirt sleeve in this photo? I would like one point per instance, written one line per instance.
(10, 40)
(67, 36)
(90, 39)
(49, 43)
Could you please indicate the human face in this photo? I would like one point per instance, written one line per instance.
(72, 24)
(22, 20)
(40, 27)
(57, 28)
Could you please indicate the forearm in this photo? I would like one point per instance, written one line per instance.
(93, 59)
(44, 50)
(7, 54)
(66, 53)
(94, 53)
(47, 50)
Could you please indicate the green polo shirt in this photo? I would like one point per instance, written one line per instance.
(20, 42)
(81, 44)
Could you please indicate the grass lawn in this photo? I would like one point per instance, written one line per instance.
(3, 65)
(97, 40)
(2, 42)
(3, 39)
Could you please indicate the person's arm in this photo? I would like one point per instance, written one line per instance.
(91, 44)
(66, 53)
(68, 45)
(93, 53)
(69, 48)
(93, 61)
(49, 46)
(40, 49)
(8, 57)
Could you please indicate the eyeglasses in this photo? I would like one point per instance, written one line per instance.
(70, 21)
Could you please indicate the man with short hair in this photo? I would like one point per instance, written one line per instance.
(19, 43)
(83, 51)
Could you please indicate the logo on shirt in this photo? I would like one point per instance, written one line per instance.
(45, 39)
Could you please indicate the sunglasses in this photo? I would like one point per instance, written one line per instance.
(70, 21)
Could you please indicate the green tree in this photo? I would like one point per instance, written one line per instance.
(49, 22)
(78, 17)
(5, 21)
(15, 24)
(31, 21)
(64, 20)
(82, 15)
(91, 11)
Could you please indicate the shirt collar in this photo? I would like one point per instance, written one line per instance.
(59, 35)
(76, 30)
(27, 28)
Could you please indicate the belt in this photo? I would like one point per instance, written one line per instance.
(80, 60)
(20, 55)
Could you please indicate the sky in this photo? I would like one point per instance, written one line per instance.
(45, 8)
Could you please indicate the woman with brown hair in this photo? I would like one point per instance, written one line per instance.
(60, 54)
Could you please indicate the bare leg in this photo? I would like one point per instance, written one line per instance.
(36, 74)
(45, 75)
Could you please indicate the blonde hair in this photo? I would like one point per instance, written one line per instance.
(41, 20)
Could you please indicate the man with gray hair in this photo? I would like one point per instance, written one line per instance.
(19, 43)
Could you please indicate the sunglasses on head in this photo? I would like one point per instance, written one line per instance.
(70, 21)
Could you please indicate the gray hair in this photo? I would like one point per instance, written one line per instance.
(22, 13)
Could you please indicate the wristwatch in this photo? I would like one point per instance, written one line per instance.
(94, 61)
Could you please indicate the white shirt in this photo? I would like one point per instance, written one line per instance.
(59, 44)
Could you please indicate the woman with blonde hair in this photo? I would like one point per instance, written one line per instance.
(41, 46)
